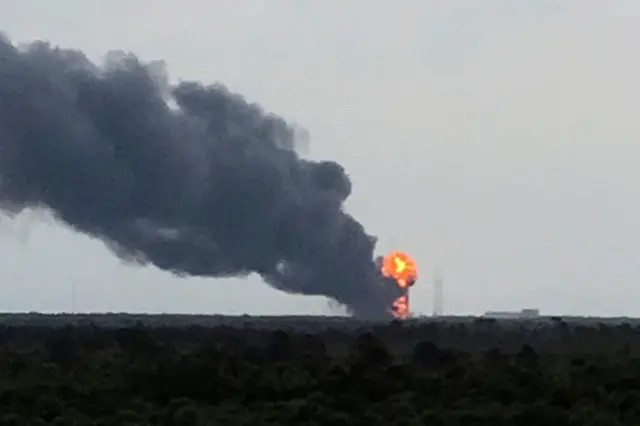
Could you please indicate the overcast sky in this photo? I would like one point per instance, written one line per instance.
(497, 140)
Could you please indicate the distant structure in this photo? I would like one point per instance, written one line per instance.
(438, 297)
(522, 314)
(74, 297)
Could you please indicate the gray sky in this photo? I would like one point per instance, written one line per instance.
(495, 139)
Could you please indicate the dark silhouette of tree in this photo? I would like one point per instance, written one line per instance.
(130, 371)
(426, 353)
(371, 351)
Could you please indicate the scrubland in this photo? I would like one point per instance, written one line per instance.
(164, 370)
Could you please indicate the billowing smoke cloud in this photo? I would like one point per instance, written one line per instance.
(210, 187)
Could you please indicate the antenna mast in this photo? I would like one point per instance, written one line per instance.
(438, 297)
(73, 297)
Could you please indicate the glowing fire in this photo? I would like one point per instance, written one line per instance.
(402, 269)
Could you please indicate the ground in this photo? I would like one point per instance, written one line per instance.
(209, 370)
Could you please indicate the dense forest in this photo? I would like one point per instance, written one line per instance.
(124, 371)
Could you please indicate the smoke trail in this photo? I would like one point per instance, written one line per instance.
(212, 187)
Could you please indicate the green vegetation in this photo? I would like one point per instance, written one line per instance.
(439, 373)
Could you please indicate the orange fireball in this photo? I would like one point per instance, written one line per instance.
(401, 267)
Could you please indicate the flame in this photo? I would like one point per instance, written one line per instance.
(402, 269)
(400, 307)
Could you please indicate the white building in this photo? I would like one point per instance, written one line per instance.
(522, 314)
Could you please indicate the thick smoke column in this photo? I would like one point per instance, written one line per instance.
(212, 187)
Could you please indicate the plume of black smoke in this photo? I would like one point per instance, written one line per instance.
(212, 187)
